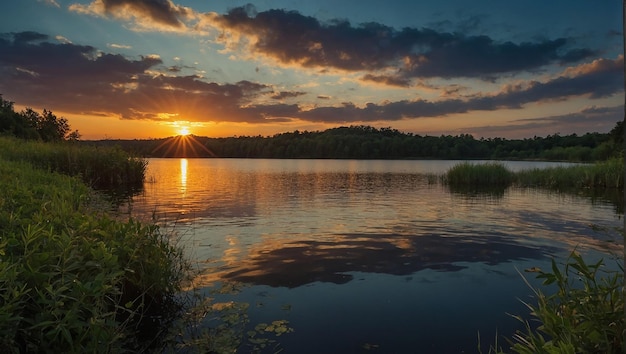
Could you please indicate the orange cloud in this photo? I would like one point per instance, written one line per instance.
(146, 15)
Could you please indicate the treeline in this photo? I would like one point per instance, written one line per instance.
(32, 125)
(365, 142)
(353, 142)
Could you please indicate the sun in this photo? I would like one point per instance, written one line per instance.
(184, 131)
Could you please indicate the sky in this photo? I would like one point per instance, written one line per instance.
(137, 69)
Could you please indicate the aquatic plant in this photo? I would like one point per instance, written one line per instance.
(584, 315)
(604, 174)
(478, 174)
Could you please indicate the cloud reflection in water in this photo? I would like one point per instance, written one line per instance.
(306, 261)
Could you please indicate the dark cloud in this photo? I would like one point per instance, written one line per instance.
(601, 78)
(292, 38)
(29, 36)
(287, 94)
(388, 80)
(80, 79)
(161, 11)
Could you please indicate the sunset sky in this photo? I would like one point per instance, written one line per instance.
(149, 68)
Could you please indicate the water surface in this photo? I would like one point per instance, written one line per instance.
(369, 255)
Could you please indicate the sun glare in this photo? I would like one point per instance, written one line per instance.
(184, 131)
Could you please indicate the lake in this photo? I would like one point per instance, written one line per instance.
(368, 255)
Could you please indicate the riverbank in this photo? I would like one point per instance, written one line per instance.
(74, 278)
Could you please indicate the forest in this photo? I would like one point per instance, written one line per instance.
(352, 142)
(366, 142)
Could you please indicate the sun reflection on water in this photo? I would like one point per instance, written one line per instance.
(183, 176)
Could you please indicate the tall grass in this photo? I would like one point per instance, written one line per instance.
(73, 279)
(99, 167)
(482, 174)
(606, 174)
(584, 315)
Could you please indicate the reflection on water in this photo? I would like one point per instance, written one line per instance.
(183, 177)
(334, 237)
(296, 263)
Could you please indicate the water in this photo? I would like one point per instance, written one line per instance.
(364, 256)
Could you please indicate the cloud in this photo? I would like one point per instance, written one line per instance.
(80, 79)
(390, 80)
(119, 46)
(290, 38)
(50, 2)
(590, 119)
(601, 78)
(161, 15)
(287, 94)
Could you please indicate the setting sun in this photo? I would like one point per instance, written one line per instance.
(183, 131)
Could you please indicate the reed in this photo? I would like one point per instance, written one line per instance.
(584, 315)
(72, 278)
(478, 174)
(605, 174)
(100, 167)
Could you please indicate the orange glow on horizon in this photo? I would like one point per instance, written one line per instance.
(183, 146)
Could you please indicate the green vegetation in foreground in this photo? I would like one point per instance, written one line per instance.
(73, 279)
(584, 315)
(605, 174)
(101, 168)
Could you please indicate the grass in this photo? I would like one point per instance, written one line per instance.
(483, 174)
(72, 278)
(606, 174)
(99, 167)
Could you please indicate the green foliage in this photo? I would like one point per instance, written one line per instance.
(364, 142)
(101, 168)
(584, 315)
(29, 124)
(74, 280)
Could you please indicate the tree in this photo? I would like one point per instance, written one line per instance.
(29, 124)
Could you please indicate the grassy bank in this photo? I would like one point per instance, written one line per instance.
(100, 168)
(72, 278)
(605, 174)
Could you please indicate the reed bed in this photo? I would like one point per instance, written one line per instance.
(100, 167)
(605, 174)
(72, 278)
(482, 174)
